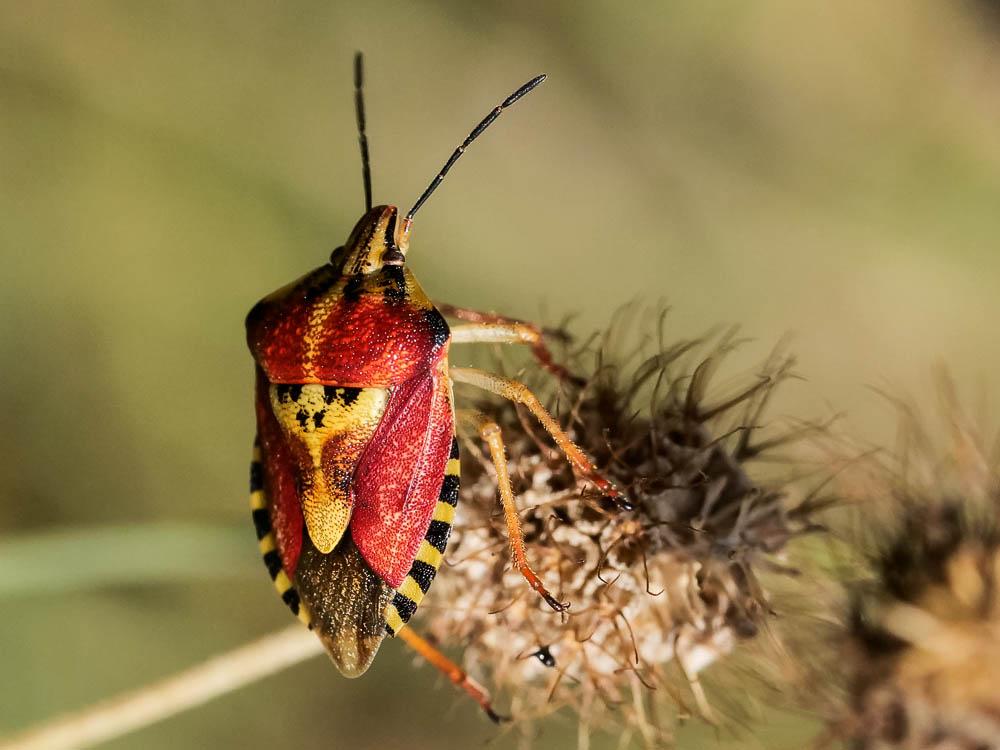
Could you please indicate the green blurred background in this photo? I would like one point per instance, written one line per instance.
(832, 170)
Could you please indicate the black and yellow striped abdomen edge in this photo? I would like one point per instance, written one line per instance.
(267, 542)
(431, 552)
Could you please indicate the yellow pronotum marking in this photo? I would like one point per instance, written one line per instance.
(444, 512)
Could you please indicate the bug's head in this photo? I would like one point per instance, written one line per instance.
(375, 242)
(380, 239)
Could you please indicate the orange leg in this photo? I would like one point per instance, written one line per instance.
(451, 670)
(518, 392)
(489, 328)
(489, 431)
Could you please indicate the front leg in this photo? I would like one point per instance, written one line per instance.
(490, 328)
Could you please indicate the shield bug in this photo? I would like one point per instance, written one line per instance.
(355, 473)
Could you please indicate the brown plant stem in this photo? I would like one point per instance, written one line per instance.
(191, 688)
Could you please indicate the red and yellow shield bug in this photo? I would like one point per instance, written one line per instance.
(355, 473)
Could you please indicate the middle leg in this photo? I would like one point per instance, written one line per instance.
(489, 431)
(518, 392)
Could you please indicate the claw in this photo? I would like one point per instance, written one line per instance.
(557, 605)
(494, 716)
(608, 490)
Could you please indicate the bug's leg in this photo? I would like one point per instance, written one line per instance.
(451, 670)
(489, 328)
(490, 432)
(518, 392)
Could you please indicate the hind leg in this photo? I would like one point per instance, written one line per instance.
(451, 670)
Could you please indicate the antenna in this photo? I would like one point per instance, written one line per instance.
(476, 132)
(359, 108)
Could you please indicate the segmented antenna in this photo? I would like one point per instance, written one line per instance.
(476, 132)
(359, 108)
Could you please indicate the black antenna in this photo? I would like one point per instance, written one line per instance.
(359, 108)
(476, 132)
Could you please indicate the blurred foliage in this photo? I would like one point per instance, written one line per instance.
(830, 169)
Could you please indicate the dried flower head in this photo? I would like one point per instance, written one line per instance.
(923, 633)
(658, 592)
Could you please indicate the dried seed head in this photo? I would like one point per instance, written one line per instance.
(658, 592)
(923, 632)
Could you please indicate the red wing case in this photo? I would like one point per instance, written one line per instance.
(336, 594)
(398, 480)
(277, 479)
